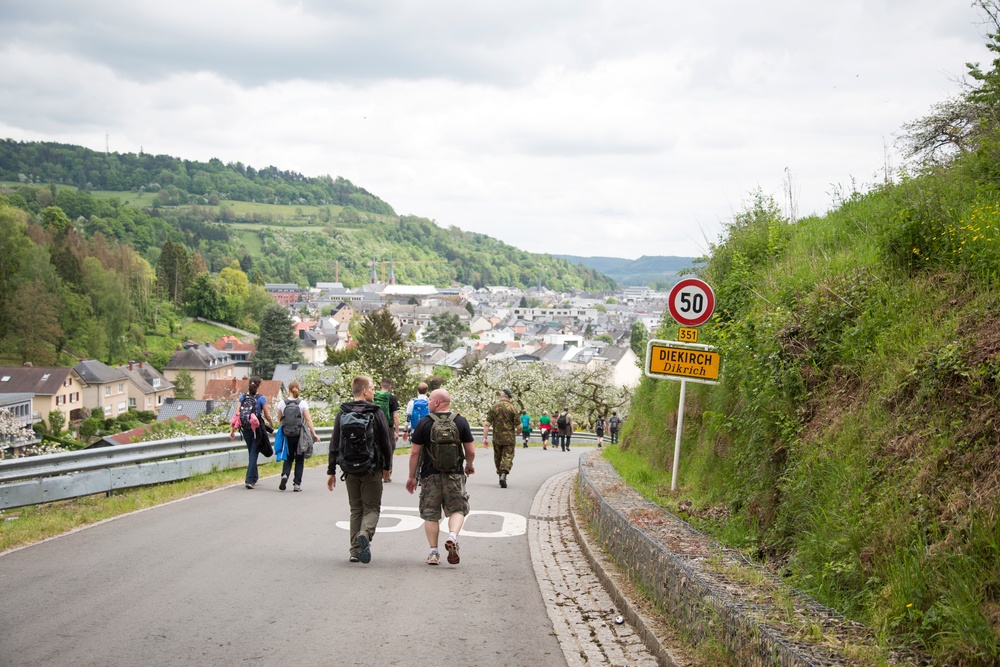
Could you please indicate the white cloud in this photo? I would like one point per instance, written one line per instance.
(586, 127)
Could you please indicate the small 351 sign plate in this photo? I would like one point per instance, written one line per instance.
(686, 335)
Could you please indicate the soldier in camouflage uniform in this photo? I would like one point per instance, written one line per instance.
(505, 420)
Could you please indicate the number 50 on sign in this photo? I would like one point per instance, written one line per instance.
(691, 302)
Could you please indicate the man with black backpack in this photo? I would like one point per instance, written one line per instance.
(443, 452)
(362, 445)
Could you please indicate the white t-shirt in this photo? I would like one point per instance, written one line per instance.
(303, 406)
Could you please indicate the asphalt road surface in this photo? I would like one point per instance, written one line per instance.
(261, 577)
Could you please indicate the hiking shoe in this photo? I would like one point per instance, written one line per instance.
(434, 558)
(284, 483)
(503, 480)
(249, 485)
(366, 552)
(354, 559)
(452, 547)
(296, 487)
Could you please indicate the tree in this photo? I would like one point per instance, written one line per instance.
(13, 223)
(203, 298)
(323, 385)
(56, 422)
(173, 272)
(112, 307)
(962, 124)
(184, 384)
(638, 339)
(381, 352)
(234, 289)
(276, 343)
(592, 393)
(523, 303)
(33, 317)
(446, 330)
(468, 307)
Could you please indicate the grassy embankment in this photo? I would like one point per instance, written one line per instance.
(853, 442)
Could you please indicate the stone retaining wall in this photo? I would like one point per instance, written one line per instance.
(713, 593)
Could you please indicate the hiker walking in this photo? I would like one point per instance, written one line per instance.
(556, 436)
(565, 424)
(362, 446)
(599, 430)
(416, 409)
(293, 415)
(504, 420)
(251, 410)
(390, 408)
(441, 458)
(614, 423)
(545, 425)
(525, 427)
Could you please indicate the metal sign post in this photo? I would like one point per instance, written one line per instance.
(677, 439)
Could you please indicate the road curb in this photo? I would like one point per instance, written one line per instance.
(608, 574)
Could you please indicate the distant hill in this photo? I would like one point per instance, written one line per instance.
(643, 271)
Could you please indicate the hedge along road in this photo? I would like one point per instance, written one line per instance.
(262, 577)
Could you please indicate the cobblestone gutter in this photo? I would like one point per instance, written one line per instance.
(714, 594)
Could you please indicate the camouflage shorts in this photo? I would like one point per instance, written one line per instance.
(441, 490)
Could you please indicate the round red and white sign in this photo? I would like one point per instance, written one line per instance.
(691, 302)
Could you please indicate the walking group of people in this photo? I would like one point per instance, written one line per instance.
(365, 431)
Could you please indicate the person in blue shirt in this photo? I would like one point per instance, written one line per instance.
(525, 427)
(250, 434)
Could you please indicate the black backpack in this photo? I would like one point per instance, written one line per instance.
(291, 418)
(248, 406)
(445, 448)
(356, 454)
(561, 421)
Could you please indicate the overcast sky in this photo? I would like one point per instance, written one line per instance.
(587, 127)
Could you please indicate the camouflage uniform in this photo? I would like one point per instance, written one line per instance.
(504, 420)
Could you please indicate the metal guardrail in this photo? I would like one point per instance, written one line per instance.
(32, 480)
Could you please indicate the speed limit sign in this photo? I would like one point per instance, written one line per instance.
(691, 302)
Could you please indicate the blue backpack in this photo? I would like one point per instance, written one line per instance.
(420, 410)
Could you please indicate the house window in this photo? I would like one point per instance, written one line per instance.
(159, 400)
(131, 402)
(122, 407)
(107, 391)
(107, 410)
(121, 387)
(156, 383)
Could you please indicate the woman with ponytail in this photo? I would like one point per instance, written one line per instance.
(251, 407)
(293, 415)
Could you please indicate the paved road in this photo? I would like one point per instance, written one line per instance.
(262, 577)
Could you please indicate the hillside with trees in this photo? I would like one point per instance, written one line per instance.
(852, 445)
(278, 226)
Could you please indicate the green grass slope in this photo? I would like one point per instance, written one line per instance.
(853, 444)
